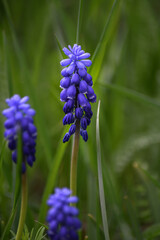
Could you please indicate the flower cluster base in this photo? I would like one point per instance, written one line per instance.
(62, 218)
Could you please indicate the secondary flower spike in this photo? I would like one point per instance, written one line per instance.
(61, 217)
(77, 90)
(20, 121)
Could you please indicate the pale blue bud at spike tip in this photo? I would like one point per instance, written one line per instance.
(62, 218)
(20, 121)
(77, 90)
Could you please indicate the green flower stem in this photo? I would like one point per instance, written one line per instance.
(23, 206)
(73, 170)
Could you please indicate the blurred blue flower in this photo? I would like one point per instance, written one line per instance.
(20, 121)
(77, 90)
(61, 217)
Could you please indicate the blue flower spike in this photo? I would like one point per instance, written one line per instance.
(62, 218)
(20, 121)
(77, 91)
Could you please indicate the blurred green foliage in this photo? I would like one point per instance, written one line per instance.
(127, 65)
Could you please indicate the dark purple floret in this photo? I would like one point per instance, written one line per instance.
(84, 123)
(72, 129)
(20, 121)
(68, 119)
(77, 90)
(78, 112)
(84, 135)
(75, 79)
(66, 137)
(65, 82)
(62, 218)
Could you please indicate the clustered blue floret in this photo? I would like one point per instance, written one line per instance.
(62, 218)
(20, 121)
(77, 90)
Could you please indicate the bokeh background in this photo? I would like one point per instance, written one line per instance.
(126, 76)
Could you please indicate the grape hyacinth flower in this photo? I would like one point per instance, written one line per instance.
(61, 217)
(20, 121)
(77, 90)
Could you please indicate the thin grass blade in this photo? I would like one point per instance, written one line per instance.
(4, 79)
(52, 177)
(15, 42)
(7, 68)
(40, 51)
(152, 193)
(94, 221)
(42, 224)
(17, 189)
(132, 94)
(78, 21)
(1, 156)
(148, 175)
(60, 47)
(152, 232)
(100, 179)
(104, 30)
(100, 50)
(9, 224)
(40, 233)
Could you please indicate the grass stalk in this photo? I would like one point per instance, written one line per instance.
(74, 158)
(23, 207)
(78, 21)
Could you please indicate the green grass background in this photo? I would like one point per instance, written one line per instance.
(123, 38)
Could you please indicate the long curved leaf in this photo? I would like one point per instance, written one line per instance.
(99, 52)
(100, 179)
